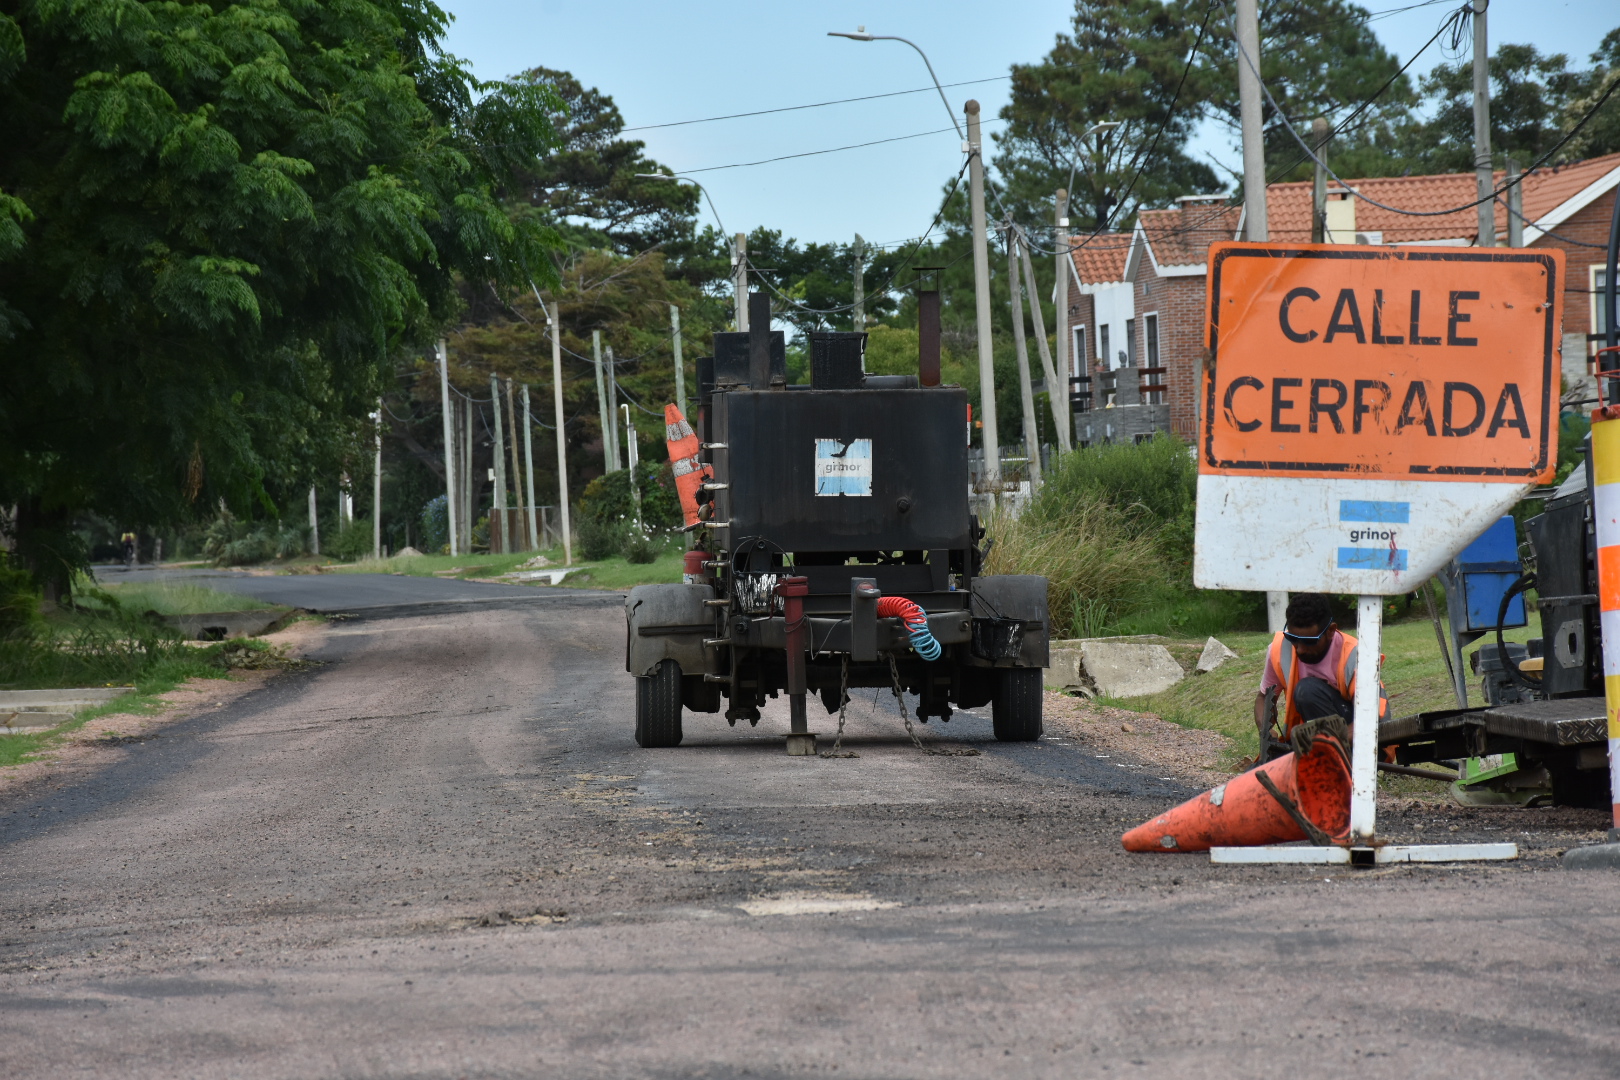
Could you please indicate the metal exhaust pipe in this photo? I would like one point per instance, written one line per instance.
(928, 332)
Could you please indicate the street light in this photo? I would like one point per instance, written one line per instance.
(861, 35)
(694, 183)
(1074, 162)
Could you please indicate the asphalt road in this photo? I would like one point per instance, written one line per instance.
(440, 854)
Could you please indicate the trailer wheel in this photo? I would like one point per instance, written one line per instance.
(1016, 709)
(658, 706)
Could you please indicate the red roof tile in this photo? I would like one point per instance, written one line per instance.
(1181, 237)
(1100, 259)
(1288, 206)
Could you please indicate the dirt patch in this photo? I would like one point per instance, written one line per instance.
(1189, 754)
(98, 742)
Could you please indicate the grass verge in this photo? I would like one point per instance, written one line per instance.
(614, 573)
(180, 598)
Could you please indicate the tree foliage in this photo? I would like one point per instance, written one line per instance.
(219, 224)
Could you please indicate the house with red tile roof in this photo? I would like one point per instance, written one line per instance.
(1166, 260)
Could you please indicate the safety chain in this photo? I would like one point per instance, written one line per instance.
(843, 704)
(900, 700)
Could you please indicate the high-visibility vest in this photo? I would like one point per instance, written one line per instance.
(1284, 664)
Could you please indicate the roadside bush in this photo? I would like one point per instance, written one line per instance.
(599, 539)
(19, 600)
(229, 541)
(352, 542)
(640, 547)
(607, 498)
(436, 525)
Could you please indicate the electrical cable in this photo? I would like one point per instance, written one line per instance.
(817, 105)
(1549, 232)
(817, 153)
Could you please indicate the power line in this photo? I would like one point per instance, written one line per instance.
(815, 153)
(817, 105)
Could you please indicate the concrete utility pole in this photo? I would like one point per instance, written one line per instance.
(498, 506)
(1249, 108)
(555, 320)
(469, 485)
(1026, 393)
(528, 470)
(1319, 141)
(602, 406)
(858, 317)
(680, 372)
(1254, 185)
(449, 448)
(1061, 330)
(1482, 128)
(314, 524)
(631, 450)
(517, 472)
(376, 490)
(613, 402)
(1515, 201)
(990, 479)
(1054, 395)
(739, 280)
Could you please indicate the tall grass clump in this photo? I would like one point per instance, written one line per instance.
(104, 643)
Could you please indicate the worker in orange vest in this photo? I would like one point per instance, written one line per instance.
(1313, 663)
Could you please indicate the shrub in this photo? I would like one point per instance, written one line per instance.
(436, 525)
(599, 539)
(352, 542)
(608, 499)
(19, 600)
(639, 547)
(229, 541)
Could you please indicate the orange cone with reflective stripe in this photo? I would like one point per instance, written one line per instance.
(1242, 813)
(683, 461)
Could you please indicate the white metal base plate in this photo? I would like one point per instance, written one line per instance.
(1393, 853)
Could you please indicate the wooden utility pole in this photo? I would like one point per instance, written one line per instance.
(497, 512)
(858, 315)
(314, 524)
(1485, 182)
(1252, 115)
(449, 449)
(990, 477)
(680, 371)
(528, 470)
(555, 320)
(517, 472)
(1026, 393)
(1319, 141)
(1055, 396)
(376, 490)
(469, 485)
(603, 409)
(613, 403)
(1061, 331)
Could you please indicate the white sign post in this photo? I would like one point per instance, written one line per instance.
(1367, 412)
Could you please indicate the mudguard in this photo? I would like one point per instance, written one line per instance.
(1001, 598)
(667, 622)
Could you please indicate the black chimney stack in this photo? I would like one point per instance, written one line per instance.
(759, 341)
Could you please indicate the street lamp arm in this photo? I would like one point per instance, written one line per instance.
(863, 36)
(694, 183)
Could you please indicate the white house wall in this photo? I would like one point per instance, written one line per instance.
(1115, 304)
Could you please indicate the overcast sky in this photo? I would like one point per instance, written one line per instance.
(664, 63)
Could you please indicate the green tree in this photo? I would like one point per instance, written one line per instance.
(221, 223)
(1601, 134)
(1123, 61)
(1529, 95)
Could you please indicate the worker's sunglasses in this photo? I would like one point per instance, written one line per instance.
(1308, 639)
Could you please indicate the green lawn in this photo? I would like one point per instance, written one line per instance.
(1223, 700)
(180, 598)
(614, 573)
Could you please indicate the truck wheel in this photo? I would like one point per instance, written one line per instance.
(658, 706)
(1016, 709)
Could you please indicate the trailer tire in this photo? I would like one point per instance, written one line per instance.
(658, 706)
(1015, 711)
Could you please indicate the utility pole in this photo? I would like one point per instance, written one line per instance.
(497, 511)
(376, 490)
(680, 372)
(859, 315)
(1061, 331)
(314, 524)
(613, 401)
(1319, 141)
(469, 486)
(602, 406)
(1515, 203)
(1249, 108)
(555, 319)
(1482, 128)
(1026, 393)
(630, 443)
(517, 473)
(1053, 395)
(1254, 187)
(739, 280)
(528, 470)
(990, 478)
(449, 449)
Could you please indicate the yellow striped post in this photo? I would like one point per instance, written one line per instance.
(1606, 515)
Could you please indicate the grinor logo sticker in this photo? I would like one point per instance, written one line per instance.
(843, 468)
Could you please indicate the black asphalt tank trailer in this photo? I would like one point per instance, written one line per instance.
(824, 500)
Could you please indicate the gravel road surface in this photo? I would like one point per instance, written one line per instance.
(440, 854)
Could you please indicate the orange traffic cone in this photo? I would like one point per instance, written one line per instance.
(1242, 813)
(689, 471)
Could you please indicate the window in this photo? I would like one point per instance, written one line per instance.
(1130, 343)
(1150, 330)
(1079, 356)
(1102, 348)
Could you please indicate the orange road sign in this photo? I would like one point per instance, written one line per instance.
(1409, 363)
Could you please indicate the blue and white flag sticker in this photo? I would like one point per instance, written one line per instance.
(843, 467)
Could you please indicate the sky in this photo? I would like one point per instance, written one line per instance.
(664, 63)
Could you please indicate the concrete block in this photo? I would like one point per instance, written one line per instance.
(1214, 655)
(1067, 672)
(219, 625)
(1593, 857)
(1123, 669)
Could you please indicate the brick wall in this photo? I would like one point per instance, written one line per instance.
(1179, 304)
(1590, 226)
